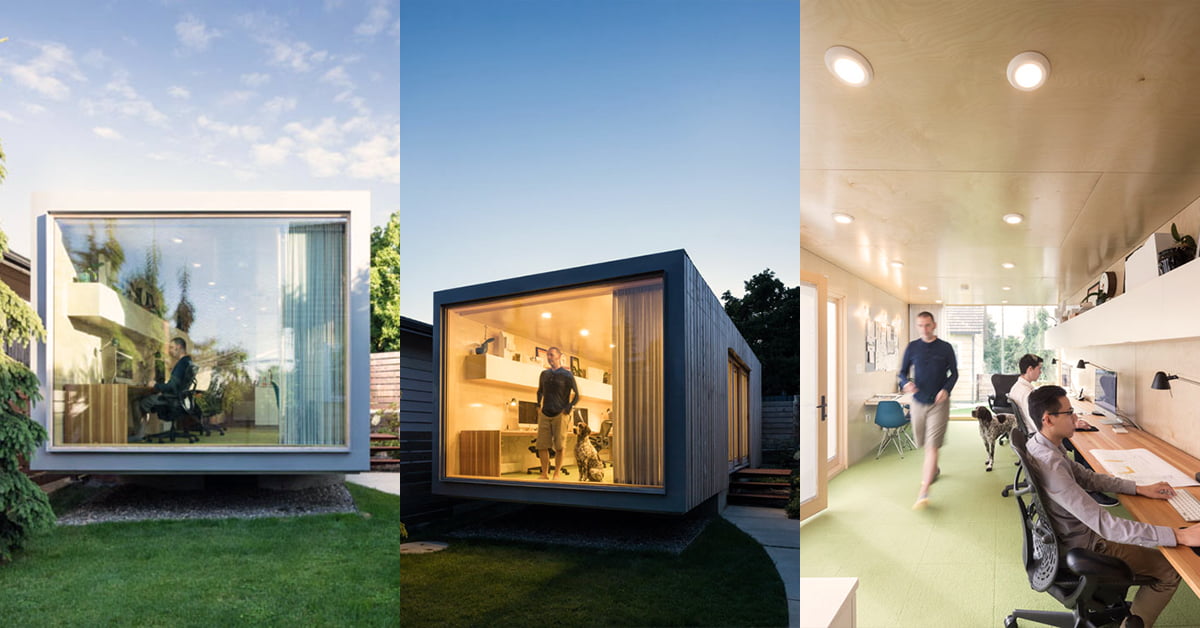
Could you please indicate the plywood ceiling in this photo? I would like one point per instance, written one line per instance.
(939, 146)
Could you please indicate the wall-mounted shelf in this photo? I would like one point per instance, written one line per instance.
(1164, 308)
(495, 369)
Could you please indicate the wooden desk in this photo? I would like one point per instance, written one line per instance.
(99, 413)
(1156, 511)
(488, 452)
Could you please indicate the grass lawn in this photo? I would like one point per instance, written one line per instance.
(724, 579)
(318, 570)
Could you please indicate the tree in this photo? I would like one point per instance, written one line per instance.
(185, 312)
(768, 317)
(24, 508)
(385, 286)
(1003, 354)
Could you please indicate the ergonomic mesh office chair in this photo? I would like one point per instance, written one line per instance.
(1001, 385)
(602, 440)
(178, 412)
(1093, 586)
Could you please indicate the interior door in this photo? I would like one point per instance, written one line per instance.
(813, 432)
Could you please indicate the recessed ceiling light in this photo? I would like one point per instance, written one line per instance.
(1006, 287)
(177, 240)
(937, 301)
(897, 263)
(1028, 70)
(1013, 219)
(922, 287)
(584, 332)
(195, 264)
(1004, 303)
(212, 283)
(546, 315)
(1008, 265)
(848, 65)
(841, 218)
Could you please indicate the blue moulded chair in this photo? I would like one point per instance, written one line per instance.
(890, 416)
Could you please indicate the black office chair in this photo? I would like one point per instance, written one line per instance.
(205, 404)
(178, 412)
(1001, 384)
(603, 440)
(1093, 586)
(538, 469)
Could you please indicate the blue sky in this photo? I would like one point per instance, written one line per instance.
(213, 95)
(543, 134)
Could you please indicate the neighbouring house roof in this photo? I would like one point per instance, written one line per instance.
(964, 319)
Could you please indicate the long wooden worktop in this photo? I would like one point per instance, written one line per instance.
(1156, 511)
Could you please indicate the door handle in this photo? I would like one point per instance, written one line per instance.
(823, 406)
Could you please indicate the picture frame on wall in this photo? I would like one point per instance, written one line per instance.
(540, 353)
(576, 370)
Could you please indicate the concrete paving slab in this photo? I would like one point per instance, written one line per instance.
(380, 481)
(780, 537)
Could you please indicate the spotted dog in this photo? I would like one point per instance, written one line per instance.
(992, 428)
(591, 469)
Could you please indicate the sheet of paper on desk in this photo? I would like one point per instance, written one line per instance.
(1141, 466)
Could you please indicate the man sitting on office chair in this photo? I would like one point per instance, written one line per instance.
(1080, 522)
(1031, 371)
(167, 393)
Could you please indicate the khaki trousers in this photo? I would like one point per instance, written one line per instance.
(1151, 599)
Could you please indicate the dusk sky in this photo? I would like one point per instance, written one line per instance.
(541, 134)
(213, 95)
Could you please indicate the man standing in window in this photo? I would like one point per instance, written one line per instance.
(935, 371)
(557, 394)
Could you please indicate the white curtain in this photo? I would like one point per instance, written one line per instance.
(313, 379)
(638, 385)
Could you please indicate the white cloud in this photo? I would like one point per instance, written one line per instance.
(244, 175)
(194, 34)
(44, 74)
(273, 154)
(326, 133)
(238, 132)
(181, 93)
(106, 133)
(235, 98)
(6, 116)
(376, 158)
(278, 105)
(297, 56)
(122, 99)
(333, 4)
(377, 19)
(34, 108)
(356, 102)
(323, 163)
(256, 79)
(338, 77)
(95, 58)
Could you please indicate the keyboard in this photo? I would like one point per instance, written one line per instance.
(1186, 505)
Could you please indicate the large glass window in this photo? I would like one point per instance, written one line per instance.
(240, 321)
(537, 375)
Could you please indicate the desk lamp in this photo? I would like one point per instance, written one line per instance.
(1162, 381)
(1083, 364)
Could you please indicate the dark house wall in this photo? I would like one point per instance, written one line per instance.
(417, 503)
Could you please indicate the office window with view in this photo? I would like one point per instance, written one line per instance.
(257, 303)
(607, 339)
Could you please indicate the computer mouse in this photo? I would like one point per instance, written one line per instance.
(1198, 476)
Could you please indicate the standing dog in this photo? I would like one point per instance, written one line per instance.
(992, 428)
(591, 469)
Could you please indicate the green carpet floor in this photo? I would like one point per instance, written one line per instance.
(956, 564)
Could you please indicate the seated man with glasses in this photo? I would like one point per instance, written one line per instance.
(1079, 521)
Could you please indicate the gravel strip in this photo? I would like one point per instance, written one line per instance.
(596, 529)
(130, 502)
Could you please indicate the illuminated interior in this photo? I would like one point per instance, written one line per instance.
(495, 352)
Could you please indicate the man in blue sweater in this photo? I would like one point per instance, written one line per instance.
(935, 371)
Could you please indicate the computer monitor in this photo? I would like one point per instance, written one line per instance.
(1106, 392)
(527, 413)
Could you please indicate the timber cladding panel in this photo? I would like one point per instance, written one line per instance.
(710, 338)
(414, 368)
(385, 380)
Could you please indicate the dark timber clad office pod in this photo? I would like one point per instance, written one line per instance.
(267, 291)
(666, 384)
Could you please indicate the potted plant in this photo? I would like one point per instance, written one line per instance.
(1183, 252)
